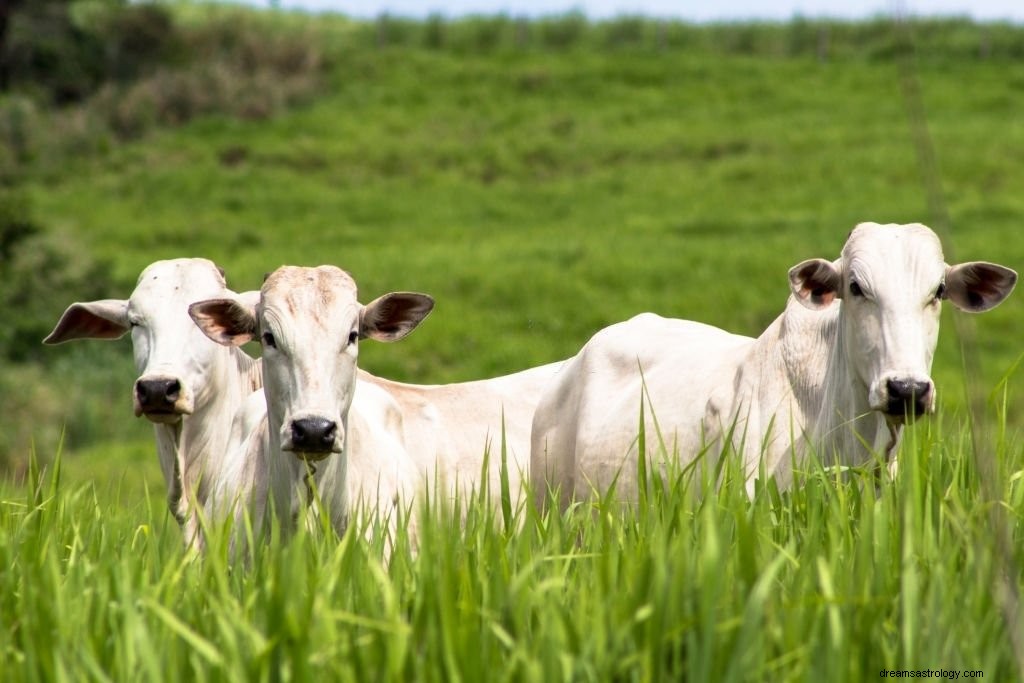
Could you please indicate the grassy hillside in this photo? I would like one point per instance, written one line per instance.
(544, 192)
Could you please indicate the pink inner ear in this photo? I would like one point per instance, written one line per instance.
(815, 283)
(823, 298)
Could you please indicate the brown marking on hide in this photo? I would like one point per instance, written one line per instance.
(297, 287)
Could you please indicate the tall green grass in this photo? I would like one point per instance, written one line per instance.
(833, 580)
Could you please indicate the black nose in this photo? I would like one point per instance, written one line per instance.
(313, 435)
(158, 395)
(908, 397)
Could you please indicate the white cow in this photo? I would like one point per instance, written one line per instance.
(310, 323)
(188, 387)
(840, 371)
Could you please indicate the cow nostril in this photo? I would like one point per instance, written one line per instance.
(922, 389)
(173, 390)
(330, 433)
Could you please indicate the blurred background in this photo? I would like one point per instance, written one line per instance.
(731, 10)
(542, 170)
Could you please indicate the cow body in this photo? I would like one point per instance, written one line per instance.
(839, 372)
(188, 387)
(448, 429)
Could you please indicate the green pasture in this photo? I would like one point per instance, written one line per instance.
(541, 196)
(540, 193)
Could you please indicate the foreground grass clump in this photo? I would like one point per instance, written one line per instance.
(829, 581)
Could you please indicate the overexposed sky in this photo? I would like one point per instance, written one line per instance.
(690, 10)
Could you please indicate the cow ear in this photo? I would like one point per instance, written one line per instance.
(226, 321)
(390, 317)
(978, 286)
(815, 283)
(104, 319)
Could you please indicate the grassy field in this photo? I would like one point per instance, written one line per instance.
(827, 581)
(540, 194)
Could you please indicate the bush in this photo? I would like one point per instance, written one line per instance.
(48, 55)
(392, 31)
(625, 31)
(63, 51)
(17, 134)
(138, 39)
(39, 274)
(563, 32)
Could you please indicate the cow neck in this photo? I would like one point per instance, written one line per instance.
(199, 441)
(167, 439)
(315, 485)
(332, 475)
(833, 401)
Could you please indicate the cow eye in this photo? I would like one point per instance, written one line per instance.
(940, 292)
(353, 337)
(268, 340)
(855, 289)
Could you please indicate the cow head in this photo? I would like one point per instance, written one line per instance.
(171, 355)
(309, 323)
(892, 280)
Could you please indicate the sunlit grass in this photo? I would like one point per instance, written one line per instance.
(833, 580)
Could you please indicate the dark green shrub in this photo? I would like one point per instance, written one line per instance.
(40, 273)
(17, 134)
(564, 31)
(434, 32)
(394, 31)
(63, 55)
(489, 32)
(138, 39)
(48, 54)
(626, 31)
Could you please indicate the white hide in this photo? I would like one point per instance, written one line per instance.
(831, 373)
(448, 429)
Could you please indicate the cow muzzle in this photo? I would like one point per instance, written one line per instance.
(161, 399)
(312, 438)
(902, 399)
